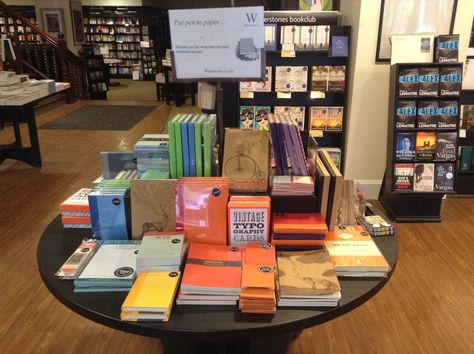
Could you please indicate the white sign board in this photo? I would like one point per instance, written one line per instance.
(218, 42)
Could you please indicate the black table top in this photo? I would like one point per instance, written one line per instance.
(197, 322)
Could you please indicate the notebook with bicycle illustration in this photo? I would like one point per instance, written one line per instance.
(245, 161)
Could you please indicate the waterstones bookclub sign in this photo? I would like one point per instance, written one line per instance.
(218, 43)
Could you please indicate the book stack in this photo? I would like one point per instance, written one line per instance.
(75, 213)
(160, 251)
(297, 231)
(151, 297)
(112, 268)
(307, 279)
(191, 141)
(355, 254)
(292, 185)
(212, 275)
(286, 142)
(110, 213)
(258, 279)
(152, 153)
(377, 225)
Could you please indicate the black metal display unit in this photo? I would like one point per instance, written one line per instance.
(277, 56)
(403, 193)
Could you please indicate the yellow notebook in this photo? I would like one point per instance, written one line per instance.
(153, 291)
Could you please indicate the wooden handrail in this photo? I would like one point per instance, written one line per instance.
(31, 67)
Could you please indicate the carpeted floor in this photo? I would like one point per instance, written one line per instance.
(101, 117)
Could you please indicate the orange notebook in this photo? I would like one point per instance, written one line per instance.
(260, 254)
(300, 223)
(201, 205)
(212, 269)
(78, 202)
(353, 249)
(298, 242)
(248, 219)
(86, 220)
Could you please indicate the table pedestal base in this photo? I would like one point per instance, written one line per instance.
(277, 344)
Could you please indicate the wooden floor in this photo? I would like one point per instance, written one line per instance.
(426, 307)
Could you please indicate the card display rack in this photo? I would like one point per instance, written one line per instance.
(15, 28)
(420, 173)
(278, 55)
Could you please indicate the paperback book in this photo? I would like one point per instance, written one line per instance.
(247, 116)
(427, 114)
(450, 81)
(405, 114)
(334, 118)
(447, 48)
(408, 82)
(319, 78)
(261, 117)
(448, 113)
(291, 78)
(405, 146)
(423, 177)
(403, 177)
(425, 145)
(318, 116)
(337, 78)
(446, 146)
(467, 117)
(428, 81)
(444, 177)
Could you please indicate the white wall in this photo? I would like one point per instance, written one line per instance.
(366, 140)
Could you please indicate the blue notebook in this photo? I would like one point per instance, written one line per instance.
(192, 145)
(185, 143)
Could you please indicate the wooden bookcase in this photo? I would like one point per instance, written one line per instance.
(15, 28)
(409, 205)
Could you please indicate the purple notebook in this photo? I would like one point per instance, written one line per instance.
(298, 146)
(289, 146)
(275, 145)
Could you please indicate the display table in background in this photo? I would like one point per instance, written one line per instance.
(200, 329)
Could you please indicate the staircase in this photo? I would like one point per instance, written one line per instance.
(48, 59)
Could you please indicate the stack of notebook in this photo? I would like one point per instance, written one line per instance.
(293, 185)
(151, 297)
(307, 279)
(112, 268)
(152, 153)
(376, 225)
(75, 211)
(355, 254)
(298, 231)
(212, 275)
(258, 279)
(160, 251)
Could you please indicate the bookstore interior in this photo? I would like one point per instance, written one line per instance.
(243, 212)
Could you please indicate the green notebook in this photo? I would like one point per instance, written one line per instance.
(172, 146)
(208, 134)
(198, 142)
(179, 145)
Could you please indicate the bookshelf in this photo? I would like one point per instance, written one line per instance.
(465, 175)
(15, 28)
(303, 57)
(422, 142)
(128, 35)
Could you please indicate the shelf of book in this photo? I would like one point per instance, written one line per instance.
(15, 29)
(422, 138)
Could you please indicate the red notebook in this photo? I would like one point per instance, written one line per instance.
(212, 269)
(301, 223)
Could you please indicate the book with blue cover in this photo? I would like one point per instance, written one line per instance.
(192, 145)
(185, 144)
(198, 129)
(179, 145)
(339, 46)
(110, 214)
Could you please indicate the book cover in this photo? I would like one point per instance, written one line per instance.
(110, 214)
(444, 177)
(282, 146)
(403, 177)
(450, 81)
(335, 155)
(335, 189)
(153, 206)
(337, 78)
(198, 133)
(465, 161)
(245, 162)
(276, 146)
(425, 145)
(291, 78)
(448, 113)
(323, 179)
(161, 248)
(408, 82)
(427, 114)
(319, 78)
(339, 46)
(447, 48)
(352, 249)
(405, 114)
(212, 269)
(297, 146)
(172, 146)
(152, 292)
(248, 220)
(78, 202)
(321, 41)
(297, 113)
(318, 117)
(405, 146)
(423, 177)
(428, 81)
(259, 85)
(270, 36)
(261, 117)
(186, 148)
(306, 274)
(247, 116)
(179, 145)
(467, 116)
(334, 118)
(446, 146)
(305, 38)
(259, 253)
(303, 223)
(192, 145)
(201, 207)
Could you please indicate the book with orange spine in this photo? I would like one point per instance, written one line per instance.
(299, 223)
